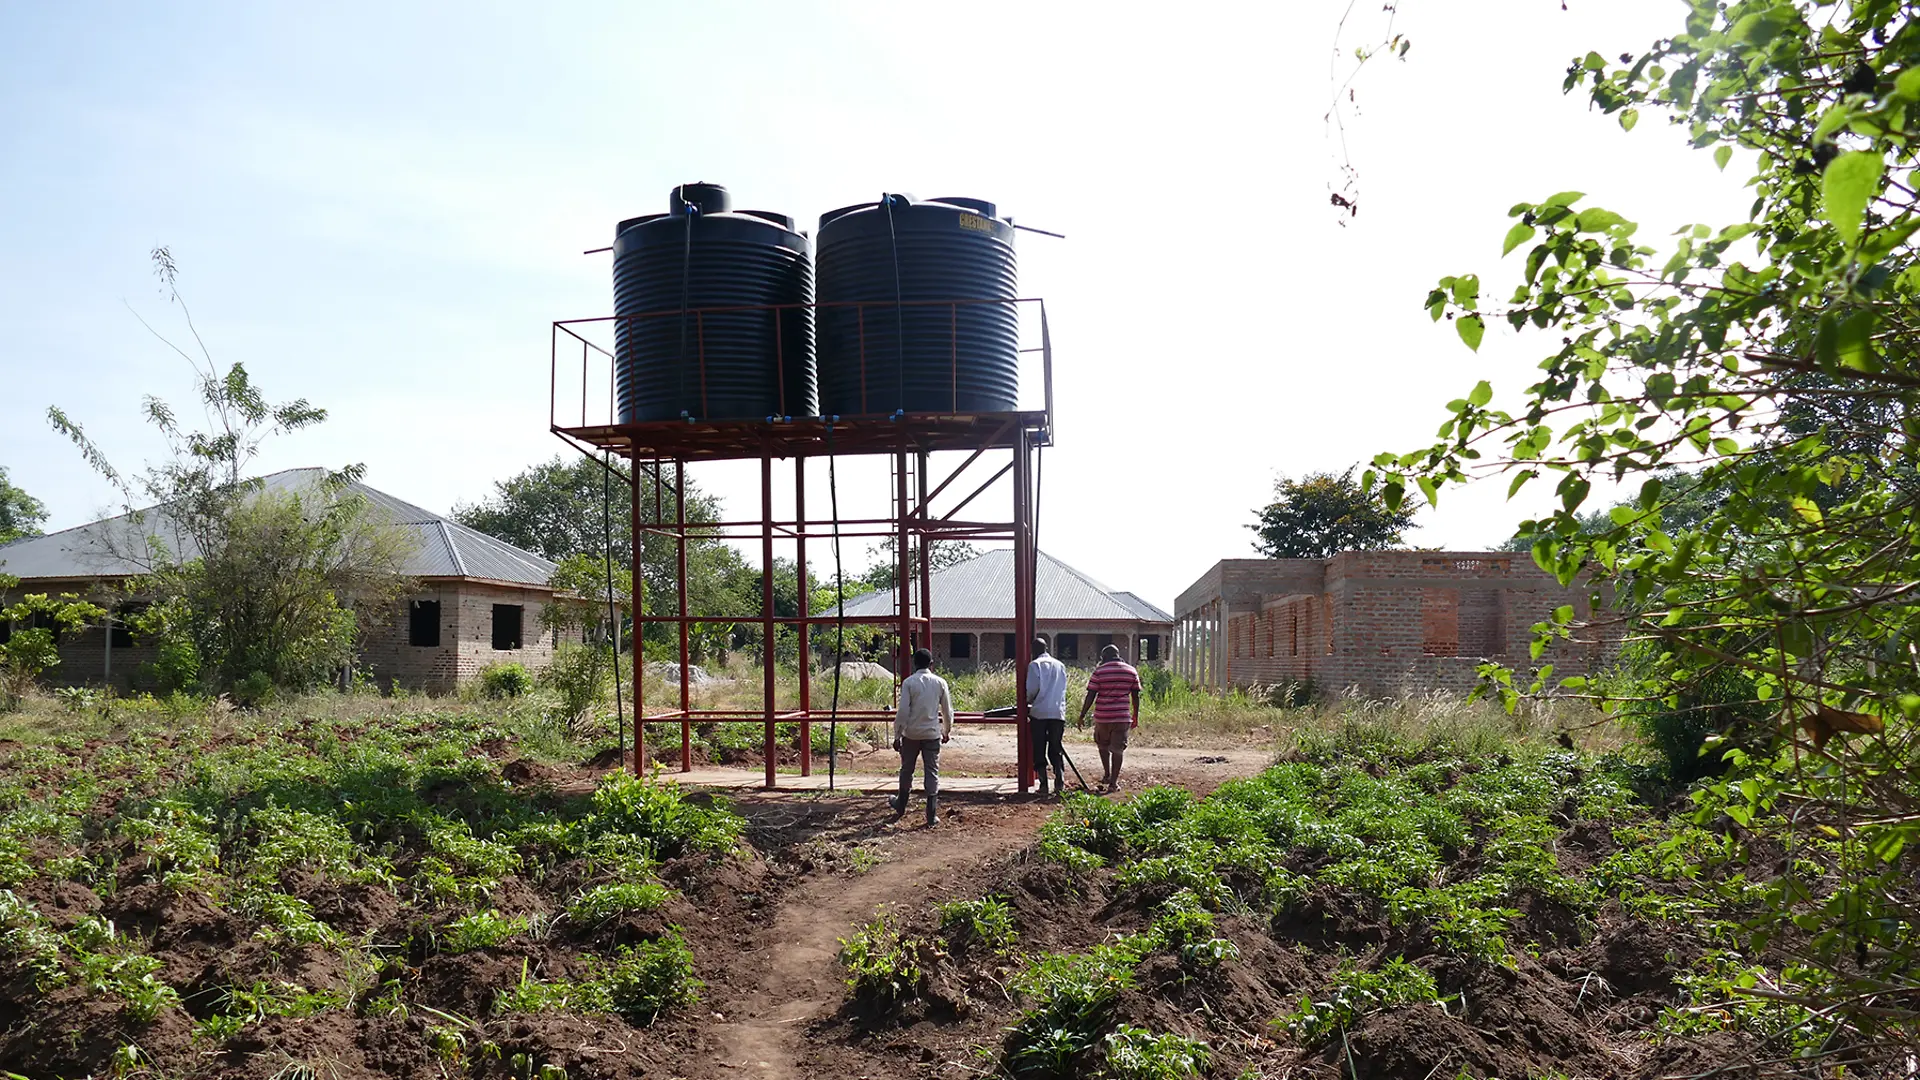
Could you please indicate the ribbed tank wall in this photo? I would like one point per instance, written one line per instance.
(674, 359)
(907, 348)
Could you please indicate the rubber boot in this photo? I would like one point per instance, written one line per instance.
(899, 803)
(933, 809)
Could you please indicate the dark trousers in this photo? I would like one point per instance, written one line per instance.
(1046, 737)
(913, 751)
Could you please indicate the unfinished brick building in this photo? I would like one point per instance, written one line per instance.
(1382, 622)
(477, 600)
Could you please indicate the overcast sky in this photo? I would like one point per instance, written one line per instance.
(382, 208)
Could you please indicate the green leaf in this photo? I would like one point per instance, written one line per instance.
(1846, 189)
(1482, 393)
(1564, 198)
(1853, 341)
(1628, 118)
(1721, 156)
(1594, 219)
(1573, 492)
(1519, 234)
(1760, 27)
(1519, 480)
(1471, 330)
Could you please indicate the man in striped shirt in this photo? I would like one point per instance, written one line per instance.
(1113, 693)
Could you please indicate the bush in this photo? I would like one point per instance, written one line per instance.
(652, 978)
(986, 922)
(506, 680)
(254, 692)
(1723, 703)
(1356, 992)
(603, 902)
(1138, 1054)
(662, 818)
(644, 982)
(578, 676)
(1070, 997)
(882, 966)
(482, 930)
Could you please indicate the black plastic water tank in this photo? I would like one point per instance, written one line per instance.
(678, 360)
(889, 338)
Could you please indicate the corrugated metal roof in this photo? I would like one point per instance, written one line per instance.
(440, 548)
(982, 588)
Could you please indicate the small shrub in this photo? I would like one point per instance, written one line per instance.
(1185, 928)
(255, 691)
(1070, 996)
(1356, 992)
(986, 923)
(506, 680)
(661, 815)
(1138, 1054)
(882, 966)
(578, 676)
(650, 979)
(481, 930)
(603, 902)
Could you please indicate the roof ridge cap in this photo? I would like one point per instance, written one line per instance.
(446, 537)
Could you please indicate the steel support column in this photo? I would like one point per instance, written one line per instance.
(640, 638)
(1023, 603)
(805, 666)
(680, 584)
(766, 611)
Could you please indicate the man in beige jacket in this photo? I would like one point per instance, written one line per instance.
(925, 720)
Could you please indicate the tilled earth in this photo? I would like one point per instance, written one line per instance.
(765, 925)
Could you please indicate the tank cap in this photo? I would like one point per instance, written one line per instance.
(703, 197)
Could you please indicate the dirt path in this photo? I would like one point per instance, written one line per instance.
(798, 977)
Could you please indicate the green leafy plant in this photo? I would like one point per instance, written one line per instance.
(1356, 992)
(1752, 385)
(480, 930)
(578, 677)
(985, 923)
(603, 902)
(1135, 1053)
(1069, 998)
(663, 817)
(883, 965)
(507, 679)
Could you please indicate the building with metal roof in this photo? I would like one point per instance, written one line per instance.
(972, 606)
(478, 599)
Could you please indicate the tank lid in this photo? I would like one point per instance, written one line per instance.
(785, 221)
(702, 196)
(978, 206)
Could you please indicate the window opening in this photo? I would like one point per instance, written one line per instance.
(506, 626)
(423, 624)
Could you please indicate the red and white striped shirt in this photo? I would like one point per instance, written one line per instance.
(1113, 684)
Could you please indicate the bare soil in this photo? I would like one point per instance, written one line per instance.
(765, 928)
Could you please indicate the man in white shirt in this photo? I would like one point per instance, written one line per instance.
(925, 720)
(1047, 715)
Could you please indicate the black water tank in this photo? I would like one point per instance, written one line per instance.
(904, 347)
(680, 361)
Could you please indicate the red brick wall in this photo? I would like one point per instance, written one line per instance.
(1386, 622)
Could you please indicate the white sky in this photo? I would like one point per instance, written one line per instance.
(381, 208)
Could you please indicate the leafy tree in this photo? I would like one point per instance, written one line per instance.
(883, 572)
(29, 651)
(1774, 359)
(1323, 514)
(556, 508)
(252, 588)
(20, 513)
